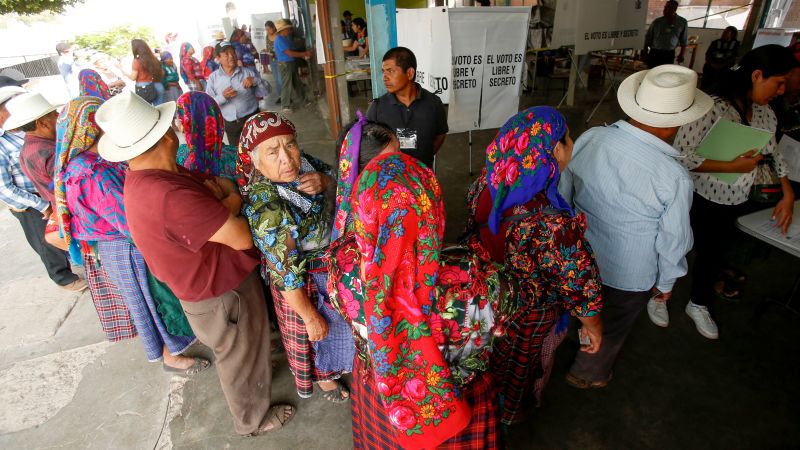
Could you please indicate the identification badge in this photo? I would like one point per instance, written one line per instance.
(407, 138)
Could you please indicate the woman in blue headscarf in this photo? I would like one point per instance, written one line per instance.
(518, 219)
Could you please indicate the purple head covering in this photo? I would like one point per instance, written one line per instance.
(520, 162)
(348, 172)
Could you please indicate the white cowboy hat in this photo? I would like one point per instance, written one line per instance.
(131, 126)
(663, 97)
(9, 92)
(26, 108)
(282, 24)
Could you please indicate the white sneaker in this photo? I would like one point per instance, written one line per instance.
(702, 320)
(658, 312)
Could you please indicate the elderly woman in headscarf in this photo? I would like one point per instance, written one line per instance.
(191, 70)
(423, 321)
(90, 210)
(171, 80)
(518, 219)
(91, 84)
(199, 118)
(288, 203)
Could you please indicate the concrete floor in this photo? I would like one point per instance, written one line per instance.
(63, 386)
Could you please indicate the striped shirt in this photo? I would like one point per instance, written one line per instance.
(636, 198)
(16, 190)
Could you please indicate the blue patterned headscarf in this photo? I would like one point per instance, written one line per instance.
(520, 162)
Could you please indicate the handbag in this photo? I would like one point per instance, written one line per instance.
(766, 185)
(147, 92)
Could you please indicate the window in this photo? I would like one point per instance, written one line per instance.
(706, 13)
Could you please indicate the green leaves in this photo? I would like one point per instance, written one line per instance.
(414, 333)
(116, 41)
(29, 7)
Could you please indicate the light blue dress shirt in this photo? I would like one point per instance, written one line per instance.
(246, 100)
(636, 198)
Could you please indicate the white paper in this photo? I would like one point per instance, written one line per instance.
(769, 230)
(790, 151)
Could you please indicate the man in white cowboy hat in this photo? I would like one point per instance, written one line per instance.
(636, 198)
(33, 114)
(188, 228)
(292, 88)
(236, 89)
(19, 193)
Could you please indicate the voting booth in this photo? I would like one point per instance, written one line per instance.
(472, 58)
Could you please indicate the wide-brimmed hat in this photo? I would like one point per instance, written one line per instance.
(9, 92)
(14, 74)
(131, 126)
(282, 24)
(218, 35)
(663, 97)
(26, 108)
(8, 81)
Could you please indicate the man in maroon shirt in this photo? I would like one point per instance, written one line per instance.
(33, 114)
(188, 228)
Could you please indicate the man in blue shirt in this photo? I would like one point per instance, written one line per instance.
(292, 89)
(19, 194)
(636, 199)
(236, 89)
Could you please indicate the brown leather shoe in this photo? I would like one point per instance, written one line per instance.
(76, 286)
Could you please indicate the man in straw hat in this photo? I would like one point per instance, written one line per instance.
(189, 231)
(292, 89)
(636, 198)
(19, 193)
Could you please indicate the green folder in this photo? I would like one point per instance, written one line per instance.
(727, 140)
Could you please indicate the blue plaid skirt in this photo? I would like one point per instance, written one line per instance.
(127, 270)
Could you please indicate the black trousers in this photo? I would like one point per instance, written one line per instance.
(657, 57)
(620, 311)
(233, 129)
(55, 261)
(714, 228)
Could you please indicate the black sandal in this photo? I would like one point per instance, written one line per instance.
(339, 394)
(728, 290)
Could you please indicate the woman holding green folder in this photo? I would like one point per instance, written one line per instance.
(743, 98)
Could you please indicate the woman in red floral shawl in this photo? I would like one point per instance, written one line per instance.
(399, 222)
(424, 338)
(518, 219)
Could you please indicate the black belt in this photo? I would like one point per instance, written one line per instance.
(243, 119)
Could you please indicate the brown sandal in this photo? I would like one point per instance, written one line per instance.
(199, 365)
(277, 416)
(580, 383)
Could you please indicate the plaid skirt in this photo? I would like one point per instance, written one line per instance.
(312, 362)
(115, 319)
(373, 431)
(516, 361)
(126, 267)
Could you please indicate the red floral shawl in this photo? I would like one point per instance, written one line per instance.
(399, 223)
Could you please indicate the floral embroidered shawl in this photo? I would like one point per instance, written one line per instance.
(399, 223)
(203, 128)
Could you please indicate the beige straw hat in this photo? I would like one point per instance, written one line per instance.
(25, 108)
(663, 97)
(131, 126)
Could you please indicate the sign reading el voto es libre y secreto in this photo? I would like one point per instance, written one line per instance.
(488, 53)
